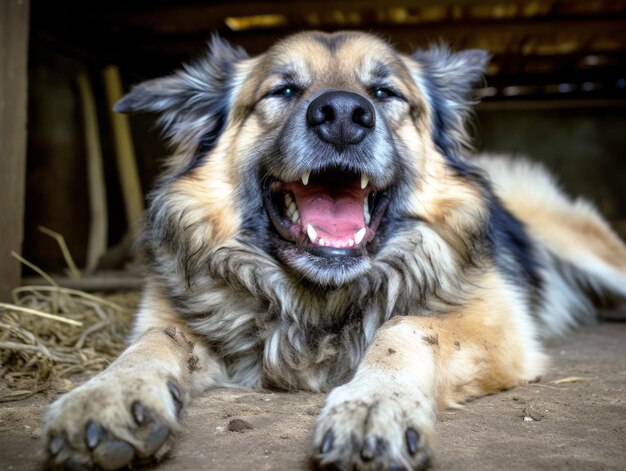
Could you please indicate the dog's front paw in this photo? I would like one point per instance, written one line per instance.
(364, 429)
(119, 417)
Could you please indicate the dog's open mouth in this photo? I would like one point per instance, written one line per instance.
(332, 212)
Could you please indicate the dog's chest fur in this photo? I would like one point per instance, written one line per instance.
(302, 342)
(271, 330)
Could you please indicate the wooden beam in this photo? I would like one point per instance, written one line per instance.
(124, 151)
(13, 85)
(100, 281)
(99, 224)
(523, 104)
(197, 15)
(406, 37)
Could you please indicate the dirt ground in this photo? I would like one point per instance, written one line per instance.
(576, 424)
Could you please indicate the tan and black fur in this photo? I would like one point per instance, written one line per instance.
(465, 266)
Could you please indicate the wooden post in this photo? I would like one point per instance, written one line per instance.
(124, 150)
(98, 227)
(13, 85)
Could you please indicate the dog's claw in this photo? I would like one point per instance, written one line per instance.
(113, 455)
(57, 442)
(412, 439)
(138, 411)
(155, 439)
(93, 434)
(176, 394)
(327, 442)
(372, 448)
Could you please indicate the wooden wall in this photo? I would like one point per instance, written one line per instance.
(14, 24)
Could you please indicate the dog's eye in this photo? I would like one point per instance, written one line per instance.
(288, 91)
(382, 93)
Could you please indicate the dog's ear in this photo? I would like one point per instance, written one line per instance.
(454, 72)
(194, 102)
(446, 78)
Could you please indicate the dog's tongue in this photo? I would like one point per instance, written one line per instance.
(335, 213)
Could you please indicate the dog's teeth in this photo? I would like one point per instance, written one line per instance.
(292, 208)
(311, 232)
(288, 199)
(366, 211)
(350, 243)
(305, 178)
(295, 216)
(358, 237)
(364, 181)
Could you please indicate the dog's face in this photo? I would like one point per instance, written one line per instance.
(324, 142)
(325, 115)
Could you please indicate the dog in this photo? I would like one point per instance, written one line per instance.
(322, 225)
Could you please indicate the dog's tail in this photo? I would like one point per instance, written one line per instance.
(582, 260)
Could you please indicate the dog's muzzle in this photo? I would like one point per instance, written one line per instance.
(327, 188)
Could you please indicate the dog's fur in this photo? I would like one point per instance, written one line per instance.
(466, 266)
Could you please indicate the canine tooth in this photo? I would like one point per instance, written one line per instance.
(364, 181)
(311, 232)
(358, 237)
(295, 216)
(305, 178)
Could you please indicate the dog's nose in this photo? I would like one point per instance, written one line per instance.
(341, 118)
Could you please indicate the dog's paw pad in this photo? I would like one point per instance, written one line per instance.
(113, 454)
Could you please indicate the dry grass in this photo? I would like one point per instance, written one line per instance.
(52, 334)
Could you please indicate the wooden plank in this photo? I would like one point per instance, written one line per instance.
(516, 105)
(99, 224)
(195, 16)
(13, 85)
(147, 46)
(100, 281)
(124, 151)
